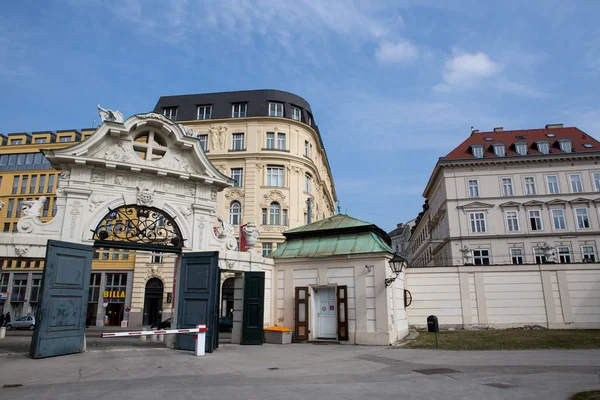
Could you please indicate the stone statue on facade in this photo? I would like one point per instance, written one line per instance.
(110, 115)
(2, 204)
(32, 208)
(549, 253)
(225, 235)
(250, 232)
(467, 255)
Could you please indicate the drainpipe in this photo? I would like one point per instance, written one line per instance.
(309, 214)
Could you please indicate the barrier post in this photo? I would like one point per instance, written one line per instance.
(200, 340)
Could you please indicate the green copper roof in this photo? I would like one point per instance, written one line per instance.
(337, 235)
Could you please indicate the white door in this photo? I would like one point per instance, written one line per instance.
(326, 314)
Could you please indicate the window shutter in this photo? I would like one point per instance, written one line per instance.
(342, 304)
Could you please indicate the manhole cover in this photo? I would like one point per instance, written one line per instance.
(437, 371)
(14, 385)
(500, 385)
(273, 368)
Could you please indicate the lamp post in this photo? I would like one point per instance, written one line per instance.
(397, 264)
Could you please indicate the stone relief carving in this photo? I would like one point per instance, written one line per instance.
(259, 166)
(234, 194)
(169, 187)
(153, 271)
(75, 213)
(250, 232)
(60, 191)
(65, 174)
(226, 236)
(201, 225)
(2, 204)
(98, 177)
(274, 228)
(186, 211)
(467, 255)
(213, 195)
(188, 131)
(273, 195)
(32, 208)
(146, 183)
(96, 200)
(190, 190)
(180, 162)
(119, 151)
(119, 180)
(217, 135)
(20, 251)
(110, 115)
(154, 115)
(145, 197)
(549, 253)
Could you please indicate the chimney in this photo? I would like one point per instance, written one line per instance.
(309, 212)
(498, 129)
(554, 126)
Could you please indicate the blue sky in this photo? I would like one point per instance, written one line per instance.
(393, 86)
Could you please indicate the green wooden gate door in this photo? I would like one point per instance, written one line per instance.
(254, 299)
(60, 321)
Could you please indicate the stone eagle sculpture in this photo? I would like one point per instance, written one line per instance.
(32, 208)
(110, 115)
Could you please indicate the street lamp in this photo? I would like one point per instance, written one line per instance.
(397, 263)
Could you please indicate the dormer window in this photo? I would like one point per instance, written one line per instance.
(477, 150)
(543, 146)
(588, 145)
(500, 150)
(566, 145)
(521, 148)
(550, 135)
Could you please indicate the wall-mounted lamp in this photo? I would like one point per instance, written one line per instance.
(369, 268)
(397, 264)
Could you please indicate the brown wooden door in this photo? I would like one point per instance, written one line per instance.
(301, 311)
(342, 303)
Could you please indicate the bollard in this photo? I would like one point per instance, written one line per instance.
(200, 340)
(2, 332)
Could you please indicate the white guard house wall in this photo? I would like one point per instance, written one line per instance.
(555, 296)
(376, 314)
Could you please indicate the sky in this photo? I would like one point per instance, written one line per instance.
(393, 85)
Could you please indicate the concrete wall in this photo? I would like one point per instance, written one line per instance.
(550, 295)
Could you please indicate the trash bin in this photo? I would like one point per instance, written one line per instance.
(432, 324)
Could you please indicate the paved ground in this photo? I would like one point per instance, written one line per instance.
(301, 371)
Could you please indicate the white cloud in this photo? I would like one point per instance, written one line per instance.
(468, 68)
(400, 52)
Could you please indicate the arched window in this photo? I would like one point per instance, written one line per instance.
(274, 214)
(235, 213)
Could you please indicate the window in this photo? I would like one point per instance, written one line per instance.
(583, 220)
(156, 258)
(521, 148)
(47, 207)
(24, 183)
(267, 248)
(588, 253)
(275, 110)
(512, 221)
(105, 256)
(296, 114)
(565, 145)
(19, 286)
(238, 142)
(558, 217)
(203, 139)
(281, 141)
(564, 254)
(270, 140)
(477, 222)
(40, 140)
(553, 184)
(115, 256)
(264, 216)
(19, 209)
(274, 214)
(116, 283)
(477, 150)
(33, 183)
(65, 139)
(540, 256)
(6, 227)
(237, 174)
(94, 290)
(576, 186)
(310, 120)
(530, 185)
(507, 187)
(4, 282)
(516, 256)
(36, 281)
(473, 188)
(16, 141)
(51, 183)
(500, 150)
(42, 185)
(307, 149)
(307, 183)
(543, 147)
(588, 145)
(597, 181)
(11, 205)
(170, 112)
(535, 220)
(481, 257)
(238, 110)
(15, 187)
(235, 213)
(204, 112)
(275, 176)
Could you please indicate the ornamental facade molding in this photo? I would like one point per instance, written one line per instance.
(274, 196)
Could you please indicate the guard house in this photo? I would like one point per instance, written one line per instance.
(335, 282)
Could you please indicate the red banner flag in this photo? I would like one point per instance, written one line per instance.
(243, 246)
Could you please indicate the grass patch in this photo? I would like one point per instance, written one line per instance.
(591, 395)
(510, 339)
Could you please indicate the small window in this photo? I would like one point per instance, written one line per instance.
(477, 150)
(204, 112)
(267, 248)
(512, 221)
(40, 140)
(473, 188)
(507, 187)
(237, 142)
(521, 148)
(270, 140)
(566, 145)
(558, 218)
(576, 185)
(156, 258)
(530, 188)
(203, 139)
(551, 135)
(275, 110)
(489, 139)
(588, 145)
(170, 112)
(275, 176)
(296, 114)
(516, 256)
(520, 137)
(564, 254)
(477, 222)
(16, 142)
(237, 174)
(588, 254)
(281, 141)
(238, 110)
(500, 150)
(583, 219)
(535, 220)
(553, 184)
(481, 257)
(235, 213)
(274, 214)
(307, 183)
(65, 139)
(543, 147)
(540, 256)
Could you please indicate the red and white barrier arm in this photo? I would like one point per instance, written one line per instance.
(200, 328)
